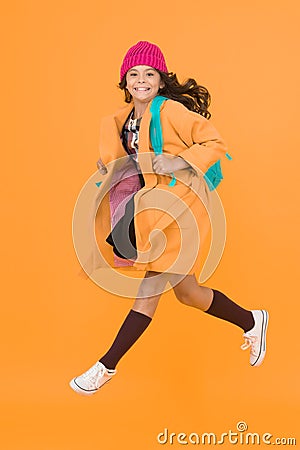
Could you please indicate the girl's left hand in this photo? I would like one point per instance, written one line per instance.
(163, 164)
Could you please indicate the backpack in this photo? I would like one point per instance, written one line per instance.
(213, 176)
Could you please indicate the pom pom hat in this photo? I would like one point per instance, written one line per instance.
(143, 54)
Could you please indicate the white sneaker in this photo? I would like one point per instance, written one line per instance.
(256, 337)
(89, 382)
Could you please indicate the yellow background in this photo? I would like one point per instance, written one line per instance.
(60, 67)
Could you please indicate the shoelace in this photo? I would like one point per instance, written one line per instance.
(250, 341)
(93, 374)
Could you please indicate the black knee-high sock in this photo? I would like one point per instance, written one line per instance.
(133, 327)
(226, 309)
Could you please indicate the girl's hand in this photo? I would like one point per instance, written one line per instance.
(101, 167)
(163, 164)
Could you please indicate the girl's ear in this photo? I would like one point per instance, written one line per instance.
(162, 85)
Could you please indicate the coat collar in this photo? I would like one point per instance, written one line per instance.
(121, 115)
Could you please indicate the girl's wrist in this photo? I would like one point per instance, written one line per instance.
(180, 163)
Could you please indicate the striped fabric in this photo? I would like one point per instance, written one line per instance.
(127, 180)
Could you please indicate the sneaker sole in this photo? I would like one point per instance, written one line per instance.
(81, 391)
(263, 347)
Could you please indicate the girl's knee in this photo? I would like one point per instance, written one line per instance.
(152, 285)
(195, 297)
(149, 293)
(185, 297)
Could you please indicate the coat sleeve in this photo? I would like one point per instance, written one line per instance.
(204, 144)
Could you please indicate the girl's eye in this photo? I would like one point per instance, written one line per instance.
(150, 74)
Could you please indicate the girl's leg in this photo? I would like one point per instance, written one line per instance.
(135, 324)
(254, 323)
(212, 302)
(138, 319)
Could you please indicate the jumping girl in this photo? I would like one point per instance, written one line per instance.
(191, 146)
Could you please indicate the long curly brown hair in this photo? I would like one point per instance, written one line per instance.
(192, 95)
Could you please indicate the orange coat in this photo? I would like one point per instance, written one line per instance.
(172, 224)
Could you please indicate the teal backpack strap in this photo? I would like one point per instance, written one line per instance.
(155, 125)
(156, 135)
(213, 176)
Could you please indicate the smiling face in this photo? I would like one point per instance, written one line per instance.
(143, 83)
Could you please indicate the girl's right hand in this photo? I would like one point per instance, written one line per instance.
(101, 167)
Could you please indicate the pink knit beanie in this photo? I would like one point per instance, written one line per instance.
(146, 54)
